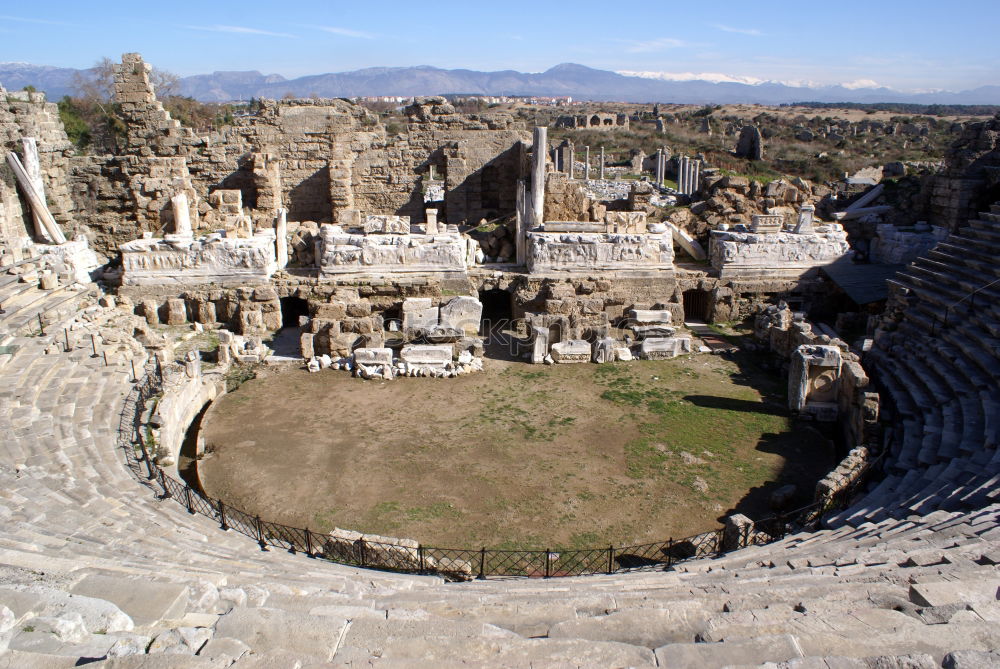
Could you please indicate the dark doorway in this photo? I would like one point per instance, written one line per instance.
(293, 308)
(496, 304)
(697, 304)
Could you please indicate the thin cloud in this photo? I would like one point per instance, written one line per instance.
(656, 45)
(346, 32)
(753, 32)
(23, 19)
(240, 30)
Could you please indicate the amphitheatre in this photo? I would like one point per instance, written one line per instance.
(337, 387)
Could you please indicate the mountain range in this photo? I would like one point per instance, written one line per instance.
(568, 79)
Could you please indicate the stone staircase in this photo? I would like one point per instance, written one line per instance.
(941, 369)
(27, 307)
(97, 570)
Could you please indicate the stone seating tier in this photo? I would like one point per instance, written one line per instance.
(911, 569)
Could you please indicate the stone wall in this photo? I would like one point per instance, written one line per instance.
(971, 181)
(317, 158)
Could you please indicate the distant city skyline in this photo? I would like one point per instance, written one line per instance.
(918, 46)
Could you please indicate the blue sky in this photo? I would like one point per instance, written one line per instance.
(912, 45)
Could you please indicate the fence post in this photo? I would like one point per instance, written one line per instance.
(222, 516)
(260, 535)
(420, 555)
(362, 558)
(482, 564)
(611, 558)
(309, 543)
(548, 553)
(163, 484)
(670, 552)
(187, 499)
(781, 524)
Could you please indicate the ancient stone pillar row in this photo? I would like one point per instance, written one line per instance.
(182, 215)
(29, 149)
(602, 162)
(281, 238)
(540, 146)
(586, 162)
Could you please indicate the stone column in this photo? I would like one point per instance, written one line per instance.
(586, 161)
(682, 175)
(602, 162)
(182, 215)
(281, 238)
(571, 150)
(432, 221)
(538, 175)
(29, 149)
(695, 175)
(805, 223)
(659, 167)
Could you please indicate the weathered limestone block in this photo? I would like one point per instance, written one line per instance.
(48, 280)
(662, 348)
(747, 253)
(434, 356)
(570, 351)
(738, 532)
(604, 350)
(151, 310)
(377, 550)
(176, 311)
(251, 321)
(306, 345)
(373, 356)
(650, 316)
(813, 380)
(625, 222)
(211, 259)
(764, 224)
(593, 251)
(540, 344)
(462, 313)
(204, 312)
(388, 225)
(419, 314)
(342, 253)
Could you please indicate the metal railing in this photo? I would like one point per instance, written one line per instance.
(971, 296)
(455, 563)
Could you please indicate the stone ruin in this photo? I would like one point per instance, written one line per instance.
(239, 229)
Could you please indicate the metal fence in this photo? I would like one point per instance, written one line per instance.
(456, 563)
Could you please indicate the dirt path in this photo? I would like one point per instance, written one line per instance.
(519, 456)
